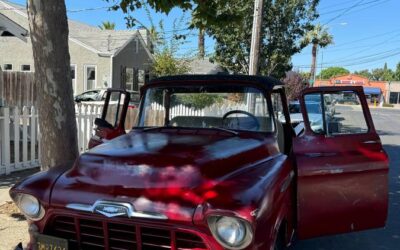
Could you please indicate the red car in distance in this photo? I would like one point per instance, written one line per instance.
(209, 164)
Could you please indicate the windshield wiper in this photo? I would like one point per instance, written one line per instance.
(153, 128)
(225, 130)
(215, 128)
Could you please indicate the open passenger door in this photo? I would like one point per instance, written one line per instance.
(342, 167)
(112, 121)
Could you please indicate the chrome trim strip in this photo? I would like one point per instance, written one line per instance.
(371, 142)
(287, 181)
(130, 210)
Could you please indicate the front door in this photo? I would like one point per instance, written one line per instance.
(112, 121)
(341, 165)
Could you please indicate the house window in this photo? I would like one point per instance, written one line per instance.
(73, 77)
(8, 66)
(90, 77)
(25, 67)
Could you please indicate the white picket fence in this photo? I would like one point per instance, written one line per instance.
(19, 135)
(19, 130)
(216, 109)
(18, 139)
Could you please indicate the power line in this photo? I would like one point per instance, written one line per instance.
(345, 11)
(338, 10)
(362, 60)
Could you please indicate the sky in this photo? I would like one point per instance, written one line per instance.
(366, 32)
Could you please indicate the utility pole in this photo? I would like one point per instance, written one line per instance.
(256, 37)
(201, 43)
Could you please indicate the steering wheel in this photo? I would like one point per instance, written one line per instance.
(256, 124)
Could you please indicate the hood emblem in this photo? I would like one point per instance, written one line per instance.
(113, 209)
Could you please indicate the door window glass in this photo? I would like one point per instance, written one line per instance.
(115, 107)
(336, 113)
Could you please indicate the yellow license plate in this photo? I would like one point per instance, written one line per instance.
(45, 242)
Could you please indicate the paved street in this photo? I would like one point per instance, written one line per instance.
(387, 122)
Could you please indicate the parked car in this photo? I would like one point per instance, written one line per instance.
(91, 96)
(97, 96)
(230, 176)
(314, 112)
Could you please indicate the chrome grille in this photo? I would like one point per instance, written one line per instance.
(94, 234)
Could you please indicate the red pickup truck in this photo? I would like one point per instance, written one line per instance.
(213, 162)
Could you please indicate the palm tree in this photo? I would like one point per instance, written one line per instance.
(318, 37)
(107, 25)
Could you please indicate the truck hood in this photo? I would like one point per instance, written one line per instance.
(161, 172)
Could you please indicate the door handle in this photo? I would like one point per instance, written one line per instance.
(314, 155)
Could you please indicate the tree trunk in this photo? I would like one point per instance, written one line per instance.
(201, 44)
(49, 34)
(313, 63)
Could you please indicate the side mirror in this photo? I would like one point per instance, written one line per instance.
(102, 123)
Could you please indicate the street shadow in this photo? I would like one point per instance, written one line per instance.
(382, 132)
(7, 181)
(387, 238)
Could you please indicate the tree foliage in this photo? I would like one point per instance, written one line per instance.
(166, 64)
(294, 84)
(204, 13)
(284, 25)
(397, 72)
(364, 73)
(318, 36)
(381, 74)
(332, 72)
(230, 23)
(107, 25)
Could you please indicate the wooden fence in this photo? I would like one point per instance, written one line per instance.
(17, 89)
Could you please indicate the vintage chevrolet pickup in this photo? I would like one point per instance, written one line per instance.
(211, 164)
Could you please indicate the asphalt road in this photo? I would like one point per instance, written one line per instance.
(387, 123)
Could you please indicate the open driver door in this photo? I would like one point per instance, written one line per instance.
(111, 124)
(342, 167)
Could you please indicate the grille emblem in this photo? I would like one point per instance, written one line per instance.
(111, 210)
(115, 208)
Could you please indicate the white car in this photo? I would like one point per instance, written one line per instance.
(314, 115)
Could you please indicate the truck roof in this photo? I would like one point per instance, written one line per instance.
(264, 82)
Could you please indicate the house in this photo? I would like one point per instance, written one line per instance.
(393, 93)
(99, 58)
(375, 91)
(204, 66)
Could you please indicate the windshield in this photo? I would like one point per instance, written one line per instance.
(226, 107)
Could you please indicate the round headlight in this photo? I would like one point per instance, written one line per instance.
(29, 206)
(231, 232)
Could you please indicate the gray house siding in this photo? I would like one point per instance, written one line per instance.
(131, 56)
(88, 47)
(16, 52)
(81, 57)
